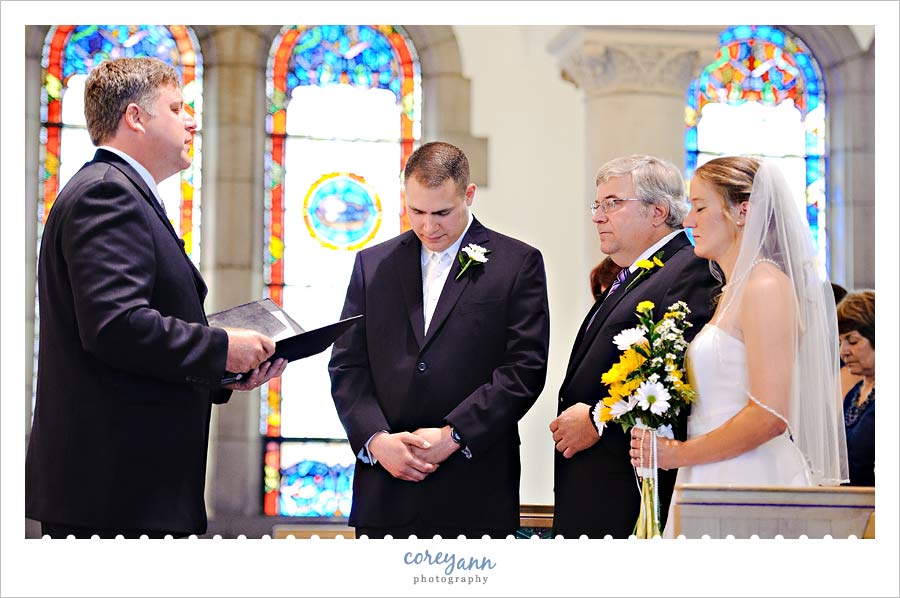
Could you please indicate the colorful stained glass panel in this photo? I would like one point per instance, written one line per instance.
(763, 95)
(315, 479)
(69, 54)
(342, 117)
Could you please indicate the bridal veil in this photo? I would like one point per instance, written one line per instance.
(777, 232)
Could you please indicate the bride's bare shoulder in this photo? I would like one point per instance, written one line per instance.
(766, 279)
(768, 302)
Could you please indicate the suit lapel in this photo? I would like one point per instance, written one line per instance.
(588, 333)
(136, 179)
(408, 269)
(453, 289)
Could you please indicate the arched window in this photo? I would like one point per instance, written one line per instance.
(343, 115)
(70, 52)
(764, 96)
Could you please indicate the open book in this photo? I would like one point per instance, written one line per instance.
(291, 340)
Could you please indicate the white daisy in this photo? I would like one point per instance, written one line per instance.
(622, 406)
(627, 338)
(653, 396)
(595, 415)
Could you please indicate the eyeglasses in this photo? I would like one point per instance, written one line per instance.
(610, 204)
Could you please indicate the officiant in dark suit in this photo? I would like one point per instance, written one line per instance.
(127, 367)
(451, 355)
(638, 210)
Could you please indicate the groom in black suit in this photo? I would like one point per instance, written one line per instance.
(431, 387)
(638, 210)
(127, 367)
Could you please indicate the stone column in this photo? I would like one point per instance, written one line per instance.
(850, 220)
(446, 104)
(231, 248)
(634, 80)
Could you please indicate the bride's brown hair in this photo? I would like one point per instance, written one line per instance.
(732, 176)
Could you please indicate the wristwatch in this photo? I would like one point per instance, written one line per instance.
(455, 437)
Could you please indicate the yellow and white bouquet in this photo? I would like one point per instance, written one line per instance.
(647, 390)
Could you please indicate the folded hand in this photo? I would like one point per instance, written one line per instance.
(394, 453)
(442, 446)
(573, 431)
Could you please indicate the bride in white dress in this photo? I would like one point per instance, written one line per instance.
(766, 366)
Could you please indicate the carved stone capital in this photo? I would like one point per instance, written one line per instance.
(610, 69)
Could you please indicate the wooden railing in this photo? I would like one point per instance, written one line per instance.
(744, 511)
(533, 520)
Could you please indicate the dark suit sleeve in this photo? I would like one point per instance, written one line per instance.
(518, 380)
(352, 387)
(112, 263)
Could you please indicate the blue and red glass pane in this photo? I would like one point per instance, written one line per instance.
(75, 49)
(363, 57)
(764, 64)
(307, 479)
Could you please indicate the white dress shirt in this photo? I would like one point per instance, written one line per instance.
(654, 248)
(431, 292)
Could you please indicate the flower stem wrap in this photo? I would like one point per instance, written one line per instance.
(647, 525)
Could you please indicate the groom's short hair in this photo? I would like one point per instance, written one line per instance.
(435, 162)
(655, 181)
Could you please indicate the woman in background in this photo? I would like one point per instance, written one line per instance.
(602, 276)
(856, 325)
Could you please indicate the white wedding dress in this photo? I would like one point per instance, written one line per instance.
(717, 370)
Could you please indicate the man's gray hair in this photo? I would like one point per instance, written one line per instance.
(655, 181)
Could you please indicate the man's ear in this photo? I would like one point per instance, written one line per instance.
(133, 118)
(660, 213)
(470, 193)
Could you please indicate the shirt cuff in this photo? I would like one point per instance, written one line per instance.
(364, 454)
(454, 435)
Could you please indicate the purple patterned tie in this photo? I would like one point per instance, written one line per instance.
(623, 273)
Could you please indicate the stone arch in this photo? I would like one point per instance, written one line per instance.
(849, 73)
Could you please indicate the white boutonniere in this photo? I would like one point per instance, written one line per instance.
(471, 254)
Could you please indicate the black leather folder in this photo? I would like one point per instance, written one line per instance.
(292, 341)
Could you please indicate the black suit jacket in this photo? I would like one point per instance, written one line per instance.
(125, 365)
(595, 491)
(480, 368)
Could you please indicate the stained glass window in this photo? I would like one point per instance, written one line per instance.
(763, 96)
(343, 115)
(70, 51)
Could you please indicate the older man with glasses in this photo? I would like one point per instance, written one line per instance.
(638, 210)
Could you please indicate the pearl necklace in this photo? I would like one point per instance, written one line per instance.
(753, 264)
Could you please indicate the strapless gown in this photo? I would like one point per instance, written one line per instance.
(717, 369)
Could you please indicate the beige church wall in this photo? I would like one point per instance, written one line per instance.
(536, 191)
